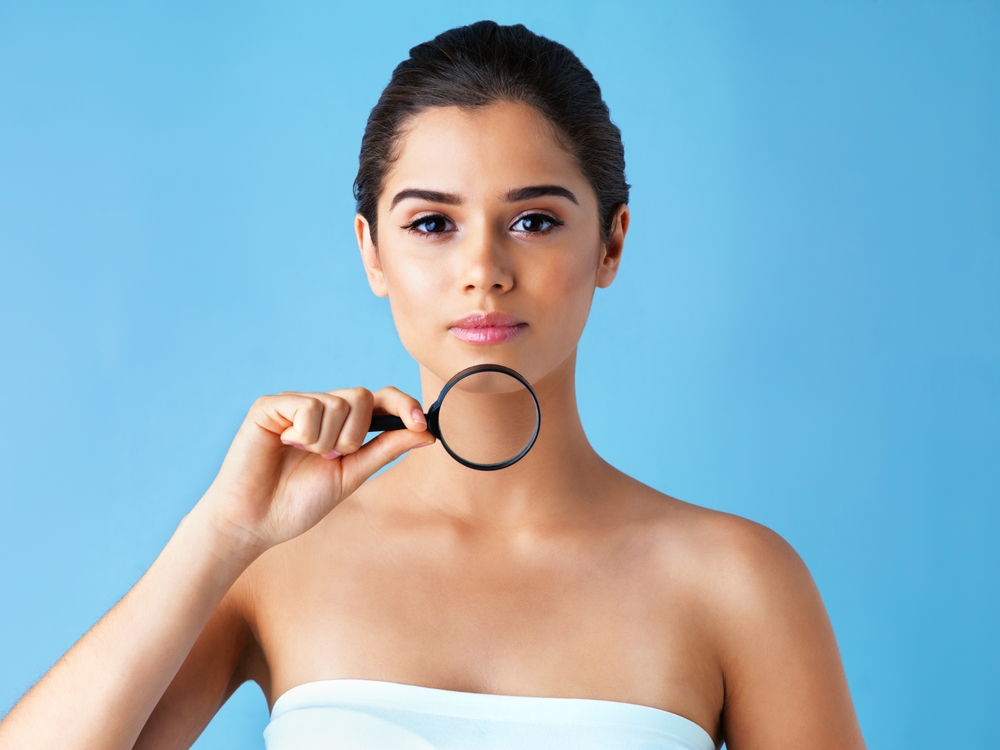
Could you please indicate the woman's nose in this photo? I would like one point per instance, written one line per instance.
(486, 264)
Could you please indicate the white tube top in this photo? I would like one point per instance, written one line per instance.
(368, 714)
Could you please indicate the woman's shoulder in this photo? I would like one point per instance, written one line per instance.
(729, 561)
(754, 606)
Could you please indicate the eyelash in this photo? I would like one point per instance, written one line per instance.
(547, 218)
(420, 220)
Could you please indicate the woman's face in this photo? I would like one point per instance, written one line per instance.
(489, 243)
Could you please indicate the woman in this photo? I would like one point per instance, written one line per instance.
(556, 603)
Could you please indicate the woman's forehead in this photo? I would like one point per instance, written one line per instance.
(491, 149)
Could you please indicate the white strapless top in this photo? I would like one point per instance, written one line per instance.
(368, 714)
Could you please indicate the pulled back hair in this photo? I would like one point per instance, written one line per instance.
(482, 64)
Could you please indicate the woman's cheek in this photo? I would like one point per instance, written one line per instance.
(571, 280)
(416, 292)
(565, 292)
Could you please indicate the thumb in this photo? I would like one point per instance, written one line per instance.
(376, 453)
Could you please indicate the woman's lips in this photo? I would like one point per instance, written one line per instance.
(487, 328)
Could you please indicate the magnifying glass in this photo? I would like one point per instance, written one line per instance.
(487, 417)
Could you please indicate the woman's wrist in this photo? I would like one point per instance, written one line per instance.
(233, 547)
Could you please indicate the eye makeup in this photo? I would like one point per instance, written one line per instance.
(534, 222)
(439, 222)
(536, 217)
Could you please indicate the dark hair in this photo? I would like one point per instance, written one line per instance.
(482, 64)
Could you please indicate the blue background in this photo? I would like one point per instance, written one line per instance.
(809, 303)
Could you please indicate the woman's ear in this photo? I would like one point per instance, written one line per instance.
(611, 255)
(369, 256)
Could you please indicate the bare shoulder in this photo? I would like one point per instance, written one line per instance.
(737, 562)
(753, 571)
(745, 577)
(766, 622)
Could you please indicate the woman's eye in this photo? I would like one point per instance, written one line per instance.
(433, 224)
(535, 223)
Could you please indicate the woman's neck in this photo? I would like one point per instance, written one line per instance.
(559, 472)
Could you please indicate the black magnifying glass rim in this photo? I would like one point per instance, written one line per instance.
(434, 426)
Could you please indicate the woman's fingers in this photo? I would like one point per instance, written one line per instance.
(392, 444)
(393, 401)
(327, 423)
(354, 429)
(336, 423)
(310, 418)
(295, 417)
(307, 416)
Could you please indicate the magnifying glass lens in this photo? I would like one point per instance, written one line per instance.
(488, 418)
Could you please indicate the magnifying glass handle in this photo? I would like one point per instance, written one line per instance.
(386, 422)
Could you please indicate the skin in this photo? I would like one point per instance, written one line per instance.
(559, 576)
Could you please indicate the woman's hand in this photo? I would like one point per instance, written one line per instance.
(297, 455)
(269, 489)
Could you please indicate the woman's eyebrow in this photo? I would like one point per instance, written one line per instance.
(433, 196)
(537, 191)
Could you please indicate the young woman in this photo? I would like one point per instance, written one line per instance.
(555, 603)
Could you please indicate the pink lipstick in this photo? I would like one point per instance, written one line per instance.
(487, 328)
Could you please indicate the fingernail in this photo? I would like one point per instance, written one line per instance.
(418, 416)
(294, 445)
(421, 445)
(331, 454)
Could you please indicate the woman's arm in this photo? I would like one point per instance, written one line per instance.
(100, 693)
(295, 457)
(784, 682)
(225, 656)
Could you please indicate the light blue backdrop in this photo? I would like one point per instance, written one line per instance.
(807, 322)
